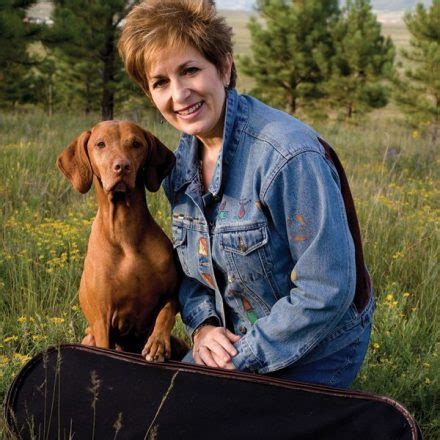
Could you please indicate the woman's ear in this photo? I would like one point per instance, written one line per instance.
(227, 69)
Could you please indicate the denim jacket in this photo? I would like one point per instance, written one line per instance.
(267, 250)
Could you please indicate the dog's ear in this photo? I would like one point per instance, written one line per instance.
(75, 164)
(160, 161)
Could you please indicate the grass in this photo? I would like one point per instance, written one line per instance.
(394, 175)
(395, 180)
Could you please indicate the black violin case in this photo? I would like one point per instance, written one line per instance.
(78, 392)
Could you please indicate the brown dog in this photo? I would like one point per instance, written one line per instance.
(129, 279)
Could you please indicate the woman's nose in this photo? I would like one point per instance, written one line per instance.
(180, 92)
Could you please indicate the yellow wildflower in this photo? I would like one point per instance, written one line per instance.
(426, 365)
(22, 358)
(389, 297)
(415, 134)
(376, 346)
(4, 360)
(397, 255)
(22, 319)
(57, 320)
(10, 339)
(406, 294)
(427, 381)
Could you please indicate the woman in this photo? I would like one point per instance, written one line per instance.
(273, 280)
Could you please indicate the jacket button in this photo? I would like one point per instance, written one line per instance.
(242, 245)
(243, 329)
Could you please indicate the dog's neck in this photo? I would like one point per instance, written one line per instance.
(123, 218)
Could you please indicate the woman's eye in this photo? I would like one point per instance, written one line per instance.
(191, 70)
(159, 83)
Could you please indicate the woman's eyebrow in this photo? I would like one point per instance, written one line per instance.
(179, 68)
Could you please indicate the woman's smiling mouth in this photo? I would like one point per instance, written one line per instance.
(190, 110)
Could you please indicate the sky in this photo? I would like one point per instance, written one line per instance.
(383, 5)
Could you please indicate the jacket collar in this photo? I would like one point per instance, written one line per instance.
(187, 151)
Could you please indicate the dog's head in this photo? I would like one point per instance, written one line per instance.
(119, 154)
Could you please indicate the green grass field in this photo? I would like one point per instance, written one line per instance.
(395, 180)
(394, 174)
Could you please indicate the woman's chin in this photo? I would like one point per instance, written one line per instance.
(196, 129)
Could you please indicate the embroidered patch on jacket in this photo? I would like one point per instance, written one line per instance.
(222, 214)
(250, 312)
(203, 247)
(298, 230)
(208, 278)
(242, 210)
(293, 276)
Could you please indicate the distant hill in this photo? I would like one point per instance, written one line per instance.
(380, 5)
(42, 9)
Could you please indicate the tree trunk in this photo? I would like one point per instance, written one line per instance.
(87, 106)
(107, 101)
(292, 104)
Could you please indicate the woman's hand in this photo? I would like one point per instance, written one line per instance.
(213, 347)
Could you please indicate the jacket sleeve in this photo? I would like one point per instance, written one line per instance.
(197, 304)
(196, 301)
(305, 204)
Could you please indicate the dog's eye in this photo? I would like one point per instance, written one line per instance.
(136, 144)
(100, 144)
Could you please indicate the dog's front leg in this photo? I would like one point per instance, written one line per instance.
(158, 346)
(89, 339)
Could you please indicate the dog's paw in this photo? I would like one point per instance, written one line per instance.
(89, 340)
(157, 348)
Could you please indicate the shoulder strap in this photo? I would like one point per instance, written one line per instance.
(363, 281)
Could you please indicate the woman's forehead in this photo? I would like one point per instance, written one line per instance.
(163, 59)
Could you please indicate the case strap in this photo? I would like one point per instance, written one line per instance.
(363, 281)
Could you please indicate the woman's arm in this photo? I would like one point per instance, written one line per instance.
(306, 207)
(197, 304)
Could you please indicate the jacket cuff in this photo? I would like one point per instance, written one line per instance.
(200, 315)
(245, 359)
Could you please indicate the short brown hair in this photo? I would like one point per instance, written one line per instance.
(159, 24)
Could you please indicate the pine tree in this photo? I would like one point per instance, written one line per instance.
(291, 46)
(86, 33)
(363, 59)
(16, 33)
(418, 92)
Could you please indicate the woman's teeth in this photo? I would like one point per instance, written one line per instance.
(191, 109)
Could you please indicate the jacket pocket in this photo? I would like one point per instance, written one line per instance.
(242, 248)
(246, 251)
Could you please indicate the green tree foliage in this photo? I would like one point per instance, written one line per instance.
(291, 45)
(418, 91)
(363, 58)
(84, 36)
(15, 35)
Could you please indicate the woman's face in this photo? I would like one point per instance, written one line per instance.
(189, 91)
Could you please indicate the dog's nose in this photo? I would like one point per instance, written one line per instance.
(121, 166)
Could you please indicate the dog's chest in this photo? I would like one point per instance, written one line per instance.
(125, 276)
